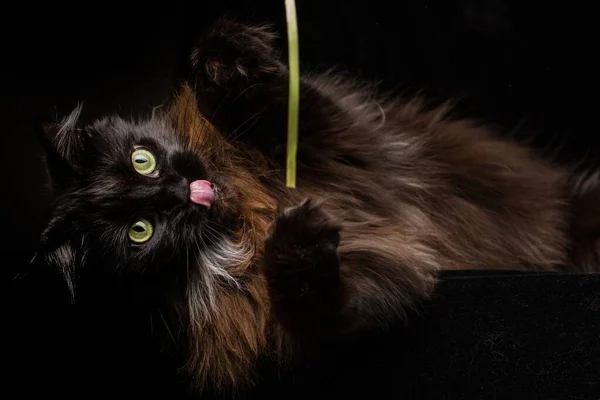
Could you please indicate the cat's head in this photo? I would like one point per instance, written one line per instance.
(133, 200)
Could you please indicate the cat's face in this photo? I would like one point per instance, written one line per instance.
(133, 199)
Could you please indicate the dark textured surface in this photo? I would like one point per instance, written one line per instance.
(485, 336)
(503, 336)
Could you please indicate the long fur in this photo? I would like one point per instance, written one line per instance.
(389, 193)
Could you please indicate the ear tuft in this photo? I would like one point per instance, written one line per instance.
(65, 137)
(63, 260)
(58, 250)
(63, 142)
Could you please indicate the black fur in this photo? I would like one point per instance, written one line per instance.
(389, 193)
(302, 268)
(89, 225)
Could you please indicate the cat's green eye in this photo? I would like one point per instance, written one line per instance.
(143, 161)
(140, 231)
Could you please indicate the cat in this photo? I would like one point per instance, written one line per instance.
(188, 209)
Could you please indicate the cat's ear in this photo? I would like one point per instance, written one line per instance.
(64, 143)
(60, 247)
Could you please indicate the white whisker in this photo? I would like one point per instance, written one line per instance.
(252, 117)
(167, 326)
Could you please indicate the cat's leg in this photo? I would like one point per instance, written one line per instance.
(242, 87)
(319, 291)
(233, 63)
(302, 267)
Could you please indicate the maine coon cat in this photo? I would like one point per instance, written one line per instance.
(188, 208)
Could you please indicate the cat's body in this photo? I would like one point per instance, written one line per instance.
(388, 194)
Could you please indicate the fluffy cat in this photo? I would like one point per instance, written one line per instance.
(189, 209)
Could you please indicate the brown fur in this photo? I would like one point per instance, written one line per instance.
(224, 348)
(410, 191)
(442, 194)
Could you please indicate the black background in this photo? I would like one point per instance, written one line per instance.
(527, 66)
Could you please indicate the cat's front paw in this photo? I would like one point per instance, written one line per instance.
(301, 256)
(231, 57)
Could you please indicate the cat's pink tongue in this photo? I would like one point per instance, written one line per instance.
(201, 192)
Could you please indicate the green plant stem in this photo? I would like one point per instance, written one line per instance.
(294, 92)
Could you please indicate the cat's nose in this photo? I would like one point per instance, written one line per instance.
(179, 190)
